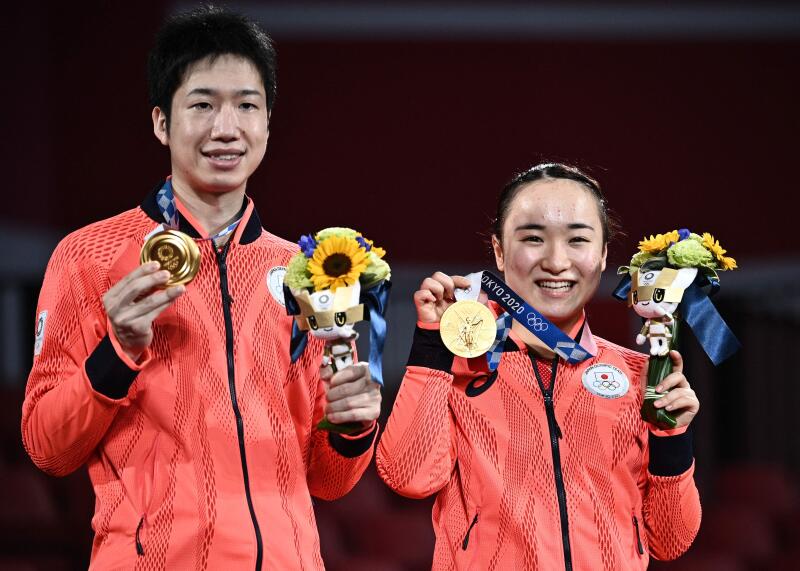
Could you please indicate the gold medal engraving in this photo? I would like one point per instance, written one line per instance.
(176, 252)
(468, 328)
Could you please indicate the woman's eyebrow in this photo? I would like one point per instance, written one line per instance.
(572, 226)
(529, 227)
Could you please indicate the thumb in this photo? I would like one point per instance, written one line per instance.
(677, 361)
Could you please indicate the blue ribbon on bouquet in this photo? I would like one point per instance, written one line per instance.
(555, 339)
(376, 301)
(711, 331)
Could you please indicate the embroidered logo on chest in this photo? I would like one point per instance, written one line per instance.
(605, 381)
(275, 283)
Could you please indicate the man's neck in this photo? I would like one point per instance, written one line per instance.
(214, 211)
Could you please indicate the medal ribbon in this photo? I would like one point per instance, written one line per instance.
(555, 339)
(494, 354)
(166, 203)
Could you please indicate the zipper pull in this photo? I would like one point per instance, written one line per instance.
(638, 538)
(139, 547)
(558, 428)
(466, 537)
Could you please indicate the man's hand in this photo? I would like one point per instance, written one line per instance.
(352, 395)
(133, 304)
(681, 400)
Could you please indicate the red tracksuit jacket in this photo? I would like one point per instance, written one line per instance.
(534, 472)
(205, 454)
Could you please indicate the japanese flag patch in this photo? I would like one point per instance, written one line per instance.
(41, 321)
(605, 381)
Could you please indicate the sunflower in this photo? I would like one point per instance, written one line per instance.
(337, 261)
(659, 242)
(727, 263)
(713, 246)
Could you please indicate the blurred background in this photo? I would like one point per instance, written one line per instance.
(419, 112)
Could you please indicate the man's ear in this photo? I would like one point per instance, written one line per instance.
(160, 129)
(499, 260)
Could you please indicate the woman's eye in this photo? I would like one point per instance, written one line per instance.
(201, 106)
(532, 239)
(248, 106)
(578, 239)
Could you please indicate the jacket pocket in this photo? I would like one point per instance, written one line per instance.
(146, 483)
(465, 542)
(639, 546)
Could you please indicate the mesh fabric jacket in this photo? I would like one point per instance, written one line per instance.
(204, 455)
(517, 488)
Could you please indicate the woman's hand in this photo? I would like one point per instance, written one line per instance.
(681, 400)
(436, 294)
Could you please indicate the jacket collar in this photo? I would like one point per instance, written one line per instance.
(248, 231)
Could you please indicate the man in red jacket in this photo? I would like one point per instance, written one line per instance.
(199, 434)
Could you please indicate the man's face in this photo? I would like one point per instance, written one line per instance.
(219, 126)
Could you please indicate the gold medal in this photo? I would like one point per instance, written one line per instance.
(176, 252)
(468, 328)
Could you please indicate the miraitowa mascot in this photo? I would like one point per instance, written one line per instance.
(669, 280)
(338, 279)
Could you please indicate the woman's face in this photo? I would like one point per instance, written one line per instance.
(552, 251)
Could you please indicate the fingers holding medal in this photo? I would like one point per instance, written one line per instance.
(436, 294)
(467, 327)
(175, 252)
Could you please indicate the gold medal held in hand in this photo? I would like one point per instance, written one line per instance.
(468, 328)
(176, 252)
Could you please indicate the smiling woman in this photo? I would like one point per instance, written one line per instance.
(612, 490)
(550, 240)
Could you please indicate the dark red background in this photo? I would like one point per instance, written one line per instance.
(411, 141)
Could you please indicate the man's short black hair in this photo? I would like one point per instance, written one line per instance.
(206, 32)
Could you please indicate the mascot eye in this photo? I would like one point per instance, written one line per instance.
(312, 322)
(340, 318)
(635, 297)
(658, 295)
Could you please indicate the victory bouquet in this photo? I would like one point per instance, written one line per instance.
(336, 280)
(669, 280)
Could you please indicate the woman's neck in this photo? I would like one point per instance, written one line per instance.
(532, 341)
(214, 211)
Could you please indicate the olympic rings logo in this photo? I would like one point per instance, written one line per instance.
(611, 385)
(537, 323)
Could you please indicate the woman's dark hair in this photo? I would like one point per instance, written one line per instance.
(547, 171)
(207, 31)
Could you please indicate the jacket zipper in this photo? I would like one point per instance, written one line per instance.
(555, 436)
(465, 543)
(638, 537)
(139, 547)
(226, 310)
